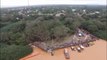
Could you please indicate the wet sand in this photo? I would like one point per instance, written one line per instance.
(95, 52)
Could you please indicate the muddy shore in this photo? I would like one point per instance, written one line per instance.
(72, 42)
(95, 52)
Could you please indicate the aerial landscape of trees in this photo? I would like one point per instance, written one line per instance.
(23, 25)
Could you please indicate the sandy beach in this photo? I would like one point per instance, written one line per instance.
(95, 52)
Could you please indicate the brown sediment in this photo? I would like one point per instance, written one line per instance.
(95, 52)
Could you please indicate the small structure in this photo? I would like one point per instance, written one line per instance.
(80, 33)
(73, 10)
(17, 18)
(59, 14)
(84, 11)
(97, 12)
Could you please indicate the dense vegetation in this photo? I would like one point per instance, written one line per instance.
(13, 52)
(20, 26)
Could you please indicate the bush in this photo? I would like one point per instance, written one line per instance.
(14, 52)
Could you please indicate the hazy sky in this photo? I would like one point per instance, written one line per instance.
(13, 3)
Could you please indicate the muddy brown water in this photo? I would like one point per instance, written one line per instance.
(95, 52)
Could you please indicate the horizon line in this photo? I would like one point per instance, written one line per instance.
(53, 4)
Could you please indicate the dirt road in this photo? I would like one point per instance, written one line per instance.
(95, 52)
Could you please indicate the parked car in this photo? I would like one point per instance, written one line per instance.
(73, 48)
(78, 49)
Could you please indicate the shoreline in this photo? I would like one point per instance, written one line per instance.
(71, 42)
(95, 52)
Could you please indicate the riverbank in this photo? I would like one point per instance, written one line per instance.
(95, 52)
(80, 37)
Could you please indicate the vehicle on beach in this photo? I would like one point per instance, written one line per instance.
(66, 53)
(78, 49)
(82, 47)
(73, 48)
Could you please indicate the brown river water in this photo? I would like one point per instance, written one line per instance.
(95, 52)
